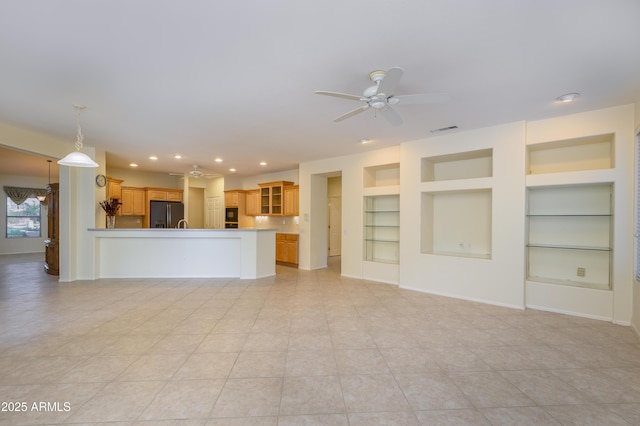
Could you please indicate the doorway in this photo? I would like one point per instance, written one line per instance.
(334, 216)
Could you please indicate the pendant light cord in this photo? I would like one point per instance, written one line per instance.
(80, 136)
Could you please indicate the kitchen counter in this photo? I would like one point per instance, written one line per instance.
(184, 253)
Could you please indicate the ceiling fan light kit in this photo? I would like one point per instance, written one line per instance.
(382, 96)
(77, 158)
(195, 173)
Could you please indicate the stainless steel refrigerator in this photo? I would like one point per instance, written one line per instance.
(165, 214)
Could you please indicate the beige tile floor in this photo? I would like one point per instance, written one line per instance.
(302, 348)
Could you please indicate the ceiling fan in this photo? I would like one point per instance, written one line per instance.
(195, 173)
(381, 96)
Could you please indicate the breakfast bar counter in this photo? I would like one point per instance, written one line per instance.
(184, 253)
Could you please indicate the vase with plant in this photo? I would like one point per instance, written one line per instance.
(111, 207)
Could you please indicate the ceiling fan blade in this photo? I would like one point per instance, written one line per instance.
(391, 115)
(423, 98)
(389, 82)
(339, 95)
(352, 113)
(176, 174)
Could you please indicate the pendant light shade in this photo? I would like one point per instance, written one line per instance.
(77, 158)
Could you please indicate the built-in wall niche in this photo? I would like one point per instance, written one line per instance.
(457, 223)
(382, 175)
(572, 155)
(461, 165)
(570, 235)
(382, 228)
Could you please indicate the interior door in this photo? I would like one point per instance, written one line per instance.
(214, 214)
(335, 226)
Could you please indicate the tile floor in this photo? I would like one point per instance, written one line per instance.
(302, 348)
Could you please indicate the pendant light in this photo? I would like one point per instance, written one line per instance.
(42, 197)
(77, 158)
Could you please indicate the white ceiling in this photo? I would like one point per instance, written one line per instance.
(236, 79)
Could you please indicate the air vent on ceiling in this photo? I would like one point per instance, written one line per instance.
(444, 129)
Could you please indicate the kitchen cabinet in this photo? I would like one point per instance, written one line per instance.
(272, 198)
(159, 194)
(133, 202)
(163, 194)
(253, 202)
(291, 200)
(234, 198)
(287, 249)
(114, 188)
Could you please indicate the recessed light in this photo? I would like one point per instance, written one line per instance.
(569, 97)
(153, 157)
(232, 170)
(262, 163)
(218, 160)
(133, 165)
(365, 140)
(177, 156)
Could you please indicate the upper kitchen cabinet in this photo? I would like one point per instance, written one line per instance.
(234, 198)
(291, 200)
(253, 202)
(163, 194)
(272, 198)
(114, 188)
(133, 202)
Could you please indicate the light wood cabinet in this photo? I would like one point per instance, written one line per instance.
(133, 202)
(272, 198)
(287, 249)
(159, 194)
(292, 200)
(163, 194)
(234, 198)
(253, 202)
(114, 188)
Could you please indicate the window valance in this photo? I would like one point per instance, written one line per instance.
(18, 194)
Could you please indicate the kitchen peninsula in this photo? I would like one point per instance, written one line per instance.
(184, 253)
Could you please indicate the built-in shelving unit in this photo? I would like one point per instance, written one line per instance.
(461, 165)
(456, 204)
(383, 175)
(570, 212)
(570, 235)
(382, 228)
(571, 155)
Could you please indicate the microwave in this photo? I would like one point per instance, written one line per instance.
(231, 214)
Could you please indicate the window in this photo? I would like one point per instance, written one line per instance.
(23, 221)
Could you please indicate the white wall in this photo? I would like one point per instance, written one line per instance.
(498, 280)
(636, 287)
(618, 121)
(314, 177)
(21, 245)
(140, 179)
(75, 213)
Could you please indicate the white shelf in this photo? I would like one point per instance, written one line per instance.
(461, 165)
(570, 235)
(381, 175)
(571, 155)
(381, 235)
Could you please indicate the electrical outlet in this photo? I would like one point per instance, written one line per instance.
(581, 272)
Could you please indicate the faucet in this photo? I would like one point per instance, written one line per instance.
(186, 225)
